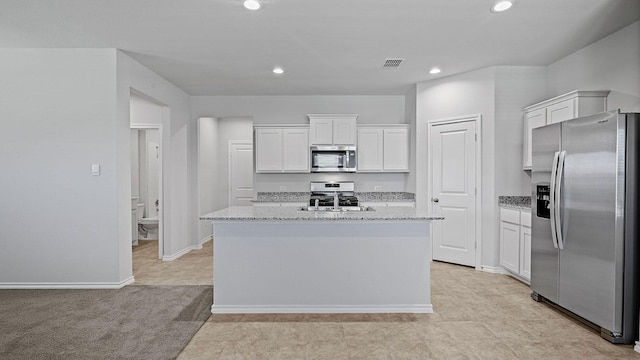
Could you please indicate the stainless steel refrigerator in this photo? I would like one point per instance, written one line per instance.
(585, 216)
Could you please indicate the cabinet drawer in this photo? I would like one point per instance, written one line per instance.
(525, 218)
(509, 215)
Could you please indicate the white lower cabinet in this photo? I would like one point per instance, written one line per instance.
(390, 203)
(515, 242)
(278, 204)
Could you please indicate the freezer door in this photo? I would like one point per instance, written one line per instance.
(544, 255)
(591, 209)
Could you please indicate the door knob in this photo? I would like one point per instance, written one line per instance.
(435, 200)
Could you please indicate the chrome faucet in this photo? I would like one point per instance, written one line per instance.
(336, 201)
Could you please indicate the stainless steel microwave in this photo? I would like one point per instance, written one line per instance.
(333, 159)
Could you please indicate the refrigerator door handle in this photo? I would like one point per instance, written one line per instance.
(552, 199)
(558, 188)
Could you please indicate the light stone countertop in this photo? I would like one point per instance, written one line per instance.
(516, 202)
(293, 213)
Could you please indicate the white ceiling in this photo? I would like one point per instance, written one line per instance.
(327, 47)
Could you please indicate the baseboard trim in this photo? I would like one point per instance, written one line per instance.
(68, 285)
(335, 309)
(493, 269)
(205, 240)
(185, 251)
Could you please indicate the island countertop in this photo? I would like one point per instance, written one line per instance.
(293, 213)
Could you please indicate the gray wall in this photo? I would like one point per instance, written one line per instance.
(612, 63)
(456, 96)
(178, 155)
(59, 224)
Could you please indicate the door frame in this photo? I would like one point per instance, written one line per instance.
(477, 118)
(230, 145)
(160, 183)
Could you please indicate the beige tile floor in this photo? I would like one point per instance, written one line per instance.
(477, 316)
(193, 268)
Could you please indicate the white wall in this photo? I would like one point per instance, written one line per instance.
(515, 88)
(612, 63)
(59, 225)
(294, 110)
(178, 152)
(456, 96)
(68, 109)
(207, 169)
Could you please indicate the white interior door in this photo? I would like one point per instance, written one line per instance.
(153, 189)
(453, 184)
(240, 173)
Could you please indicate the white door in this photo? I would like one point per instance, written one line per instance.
(153, 189)
(240, 173)
(453, 184)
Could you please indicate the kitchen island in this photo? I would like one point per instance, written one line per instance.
(285, 260)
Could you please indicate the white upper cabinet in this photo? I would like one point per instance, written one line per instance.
(396, 149)
(383, 148)
(331, 129)
(370, 149)
(282, 149)
(295, 146)
(560, 108)
(268, 150)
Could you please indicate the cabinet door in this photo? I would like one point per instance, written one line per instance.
(510, 246)
(268, 150)
(396, 150)
(525, 252)
(370, 149)
(344, 131)
(561, 111)
(321, 131)
(532, 119)
(295, 150)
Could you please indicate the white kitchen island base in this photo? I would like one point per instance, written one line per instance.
(333, 266)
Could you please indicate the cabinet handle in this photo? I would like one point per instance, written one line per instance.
(435, 200)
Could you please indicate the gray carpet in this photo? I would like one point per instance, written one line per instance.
(135, 322)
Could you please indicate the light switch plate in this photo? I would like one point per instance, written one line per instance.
(95, 169)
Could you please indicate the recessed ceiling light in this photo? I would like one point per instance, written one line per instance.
(278, 70)
(252, 4)
(501, 6)
(435, 70)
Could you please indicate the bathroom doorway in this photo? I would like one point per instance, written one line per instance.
(147, 220)
(146, 184)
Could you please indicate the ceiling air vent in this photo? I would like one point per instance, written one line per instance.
(392, 63)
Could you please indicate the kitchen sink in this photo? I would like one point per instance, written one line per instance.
(343, 209)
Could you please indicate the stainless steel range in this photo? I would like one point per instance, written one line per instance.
(332, 194)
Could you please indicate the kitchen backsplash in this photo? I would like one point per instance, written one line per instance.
(362, 196)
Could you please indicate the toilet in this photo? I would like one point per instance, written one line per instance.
(147, 227)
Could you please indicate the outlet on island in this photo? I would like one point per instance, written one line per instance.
(283, 188)
(377, 188)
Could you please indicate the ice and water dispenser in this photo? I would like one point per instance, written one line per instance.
(542, 201)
